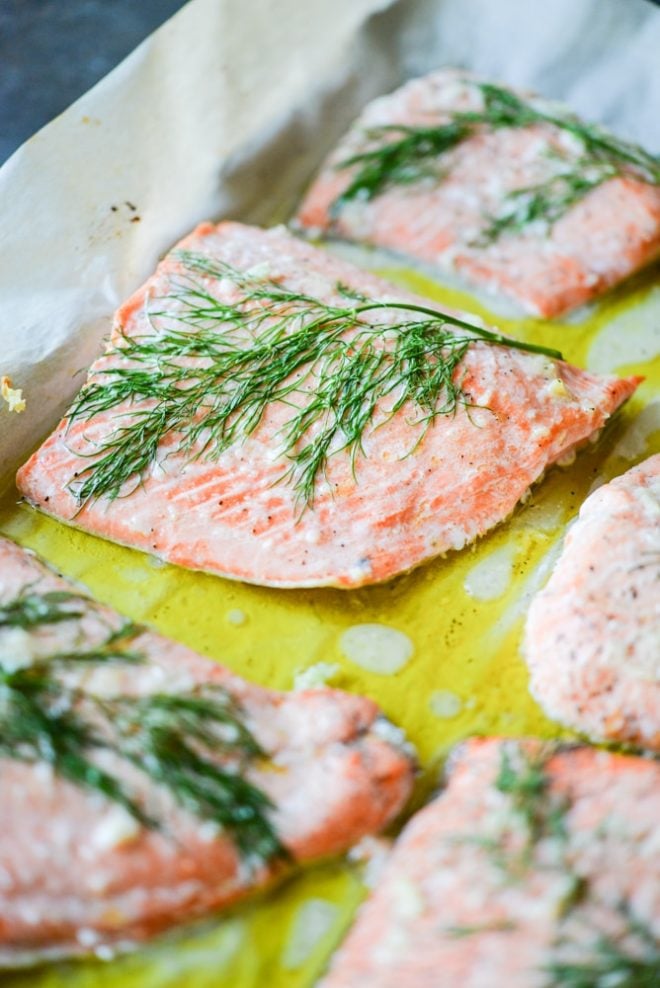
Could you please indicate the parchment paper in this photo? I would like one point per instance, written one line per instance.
(225, 111)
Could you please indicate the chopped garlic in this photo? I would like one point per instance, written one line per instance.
(316, 675)
(259, 272)
(373, 853)
(116, 828)
(558, 389)
(13, 396)
(16, 650)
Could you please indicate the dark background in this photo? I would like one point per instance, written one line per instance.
(52, 51)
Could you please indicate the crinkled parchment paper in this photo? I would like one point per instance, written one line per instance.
(224, 112)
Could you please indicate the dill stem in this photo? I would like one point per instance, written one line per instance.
(485, 334)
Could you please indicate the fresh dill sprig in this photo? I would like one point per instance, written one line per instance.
(208, 374)
(629, 961)
(173, 739)
(30, 609)
(40, 719)
(546, 202)
(535, 812)
(610, 967)
(399, 154)
(40, 722)
(527, 786)
(169, 738)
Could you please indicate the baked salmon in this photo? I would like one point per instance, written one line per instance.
(534, 869)
(512, 193)
(142, 785)
(270, 413)
(592, 640)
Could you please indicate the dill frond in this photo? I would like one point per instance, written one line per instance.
(527, 786)
(544, 203)
(171, 737)
(398, 154)
(209, 373)
(176, 740)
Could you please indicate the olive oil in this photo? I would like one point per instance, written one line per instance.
(466, 643)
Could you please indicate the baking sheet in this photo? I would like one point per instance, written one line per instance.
(192, 126)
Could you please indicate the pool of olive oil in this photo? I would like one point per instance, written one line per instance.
(464, 615)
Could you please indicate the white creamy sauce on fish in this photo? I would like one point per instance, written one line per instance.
(377, 648)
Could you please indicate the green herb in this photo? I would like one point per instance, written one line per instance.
(174, 740)
(29, 610)
(403, 161)
(613, 963)
(402, 154)
(612, 967)
(209, 373)
(546, 202)
(523, 779)
(166, 737)
(38, 723)
(527, 786)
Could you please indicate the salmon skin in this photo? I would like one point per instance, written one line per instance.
(592, 640)
(533, 869)
(114, 825)
(574, 228)
(412, 488)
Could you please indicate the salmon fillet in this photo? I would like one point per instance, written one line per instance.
(532, 870)
(592, 640)
(404, 494)
(442, 215)
(142, 835)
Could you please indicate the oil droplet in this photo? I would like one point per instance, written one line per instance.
(445, 704)
(313, 920)
(491, 577)
(236, 617)
(377, 648)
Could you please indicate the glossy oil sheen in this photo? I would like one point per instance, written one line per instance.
(465, 644)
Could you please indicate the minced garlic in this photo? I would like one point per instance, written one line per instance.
(13, 396)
